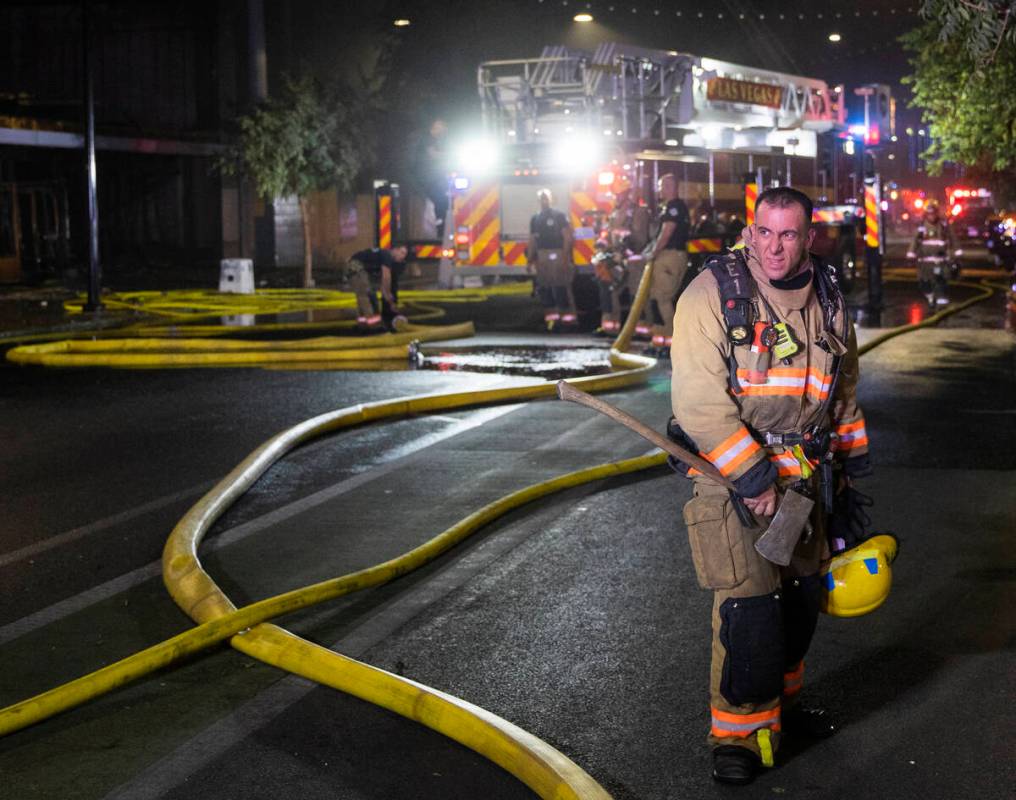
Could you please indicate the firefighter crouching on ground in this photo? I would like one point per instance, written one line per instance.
(550, 248)
(764, 353)
(372, 270)
(628, 228)
(670, 262)
(932, 248)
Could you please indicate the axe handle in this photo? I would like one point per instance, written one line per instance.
(568, 392)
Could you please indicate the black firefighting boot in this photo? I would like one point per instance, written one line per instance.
(736, 765)
(808, 722)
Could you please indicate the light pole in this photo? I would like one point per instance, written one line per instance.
(94, 302)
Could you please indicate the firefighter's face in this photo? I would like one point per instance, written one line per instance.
(782, 236)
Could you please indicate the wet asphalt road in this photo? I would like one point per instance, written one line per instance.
(577, 618)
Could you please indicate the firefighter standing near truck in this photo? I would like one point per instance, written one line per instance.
(670, 262)
(932, 248)
(765, 370)
(550, 247)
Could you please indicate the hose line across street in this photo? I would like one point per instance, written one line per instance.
(544, 769)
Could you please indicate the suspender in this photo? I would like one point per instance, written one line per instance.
(737, 292)
(737, 296)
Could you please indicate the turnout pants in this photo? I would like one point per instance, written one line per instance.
(763, 620)
(931, 274)
(366, 298)
(669, 268)
(553, 281)
(610, 307)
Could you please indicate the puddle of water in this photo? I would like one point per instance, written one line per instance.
(549, 363)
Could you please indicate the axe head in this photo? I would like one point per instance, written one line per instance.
(778, 541)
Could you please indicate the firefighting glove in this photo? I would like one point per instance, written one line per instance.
(849, 521)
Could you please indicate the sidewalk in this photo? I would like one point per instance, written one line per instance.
(38, 310)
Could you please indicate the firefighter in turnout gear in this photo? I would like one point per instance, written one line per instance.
(610, 272)
(628, 228)
(933, 248)
(670, 262)
(370, 271)
(765, 370)
(550, 247)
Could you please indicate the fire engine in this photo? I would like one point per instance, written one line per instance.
(582, 123)
(969, 211)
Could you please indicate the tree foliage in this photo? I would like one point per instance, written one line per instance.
(305, 138)
(962, 80)
(983, 27)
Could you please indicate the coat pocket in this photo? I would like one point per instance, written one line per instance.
(716, 546)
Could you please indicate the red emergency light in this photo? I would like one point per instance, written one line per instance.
(461, 238)
(958, 192)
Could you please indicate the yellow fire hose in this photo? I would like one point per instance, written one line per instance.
(203, 303)
(542, 768)
(178, 345)
(218, 353)
(180, 313)
(986, 288)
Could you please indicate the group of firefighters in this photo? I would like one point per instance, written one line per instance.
(632, 237)
(631, 240)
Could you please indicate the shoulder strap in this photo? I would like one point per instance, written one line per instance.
(831, 299)
(737, 290)
(830, 296)
(736, 293)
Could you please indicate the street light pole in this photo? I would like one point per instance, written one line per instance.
(94, 302)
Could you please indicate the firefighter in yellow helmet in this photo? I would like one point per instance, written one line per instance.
(765, 370)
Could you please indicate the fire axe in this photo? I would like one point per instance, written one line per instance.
(777, 542)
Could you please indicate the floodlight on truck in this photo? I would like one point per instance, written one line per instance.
(577, 154)
(478, 156)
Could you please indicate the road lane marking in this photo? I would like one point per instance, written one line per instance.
(398, 457)
(32, 550)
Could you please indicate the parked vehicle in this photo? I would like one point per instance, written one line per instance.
(1001, 241)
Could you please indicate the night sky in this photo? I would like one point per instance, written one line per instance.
(434, 59)
(448, 38)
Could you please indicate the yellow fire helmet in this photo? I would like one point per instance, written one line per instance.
(858, 580)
